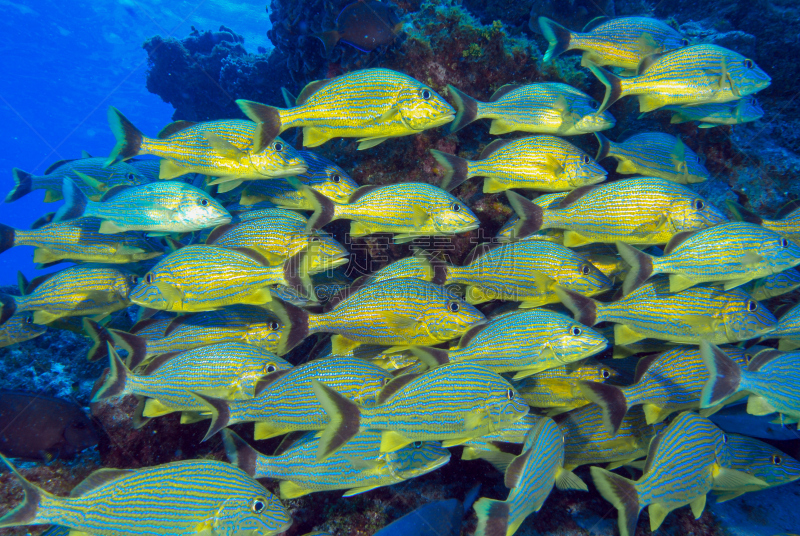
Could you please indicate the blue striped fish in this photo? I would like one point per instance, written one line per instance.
(285, 401)
(490, 446)
(620, 42)
(732, 253)
(357, 467)
(90, 174)
(771, 378)
(74, 291)
(760, 460)
(788, 329)
(371, 104)
(526, 341)
(508, 232)
(186, 497)
(408, 210)
(452, 403)
(281, 217)
(534, 162)
(396, 312)
(773, 285)
(224, 149)
(158, 207)
(19, 328)
(664, 383)
(736, 112)
(698, 74)
(531, 477)
(148, 168)
(643, 210)
(684, 462)
(689, 316)
(654, 154)
(788, 225)
(545, 107)
(527, 271)
(202, 278)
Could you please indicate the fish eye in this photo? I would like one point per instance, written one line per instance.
(386, 381)
(724, 438)
(314, 239)
(130, 177)
(278, 147)
(777, 459)
(417, 444)
(586, 159)
(204, 202)
(148, 278)
(606, 374)
(594, 104)
(585, 269)
(274, 326)
(270, 367)
(425, 94)
(751, 306)
(510, 394)
(257, 505)
(748, 63)
(699, 204)
(684, 42)
(575, 331)
(455, 207)
(134, 279)
(454, 306)
(29, 320)
(336, 178)
(784, 243)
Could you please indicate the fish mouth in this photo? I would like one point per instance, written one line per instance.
(439, 121)
(470, 227)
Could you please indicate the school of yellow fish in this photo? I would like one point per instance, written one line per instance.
(409, 365)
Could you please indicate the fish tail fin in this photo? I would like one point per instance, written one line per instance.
(456, 169)
(7, 236)
(345, 416)
(493, 517)
(129, 138)
(267, 120)
(622, 493)
(605, 146)
(8, 306)
(742, 214)
(133, 344)
(295, 271)
(100, 339)
(23, 185)
(531, 215)
(295, 322)
(324, 208)
(220, 413)
(613, 85)
(116, 379)
(432, 357)
(585, 310)
(25, 513)
(726, 375)
(557, 36)
(467, 109)
(611, 400)
(329, 40)
(641, 267)
(75, 202)
(239, 452)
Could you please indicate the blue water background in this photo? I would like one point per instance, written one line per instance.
(64, 62)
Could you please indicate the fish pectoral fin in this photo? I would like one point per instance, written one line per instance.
(259, 297)
(751, 258)
(474, 418)
(392, 441)
(362, 464)
(704, 323)
(654, 414)
(191, 417)
(266, 430)
(625, 335)
(356, 491)
(419, 216)
(554, 166)
(679, 282)
(731, 479)
(657, 513)
(222, 146)
(758, 405)
(388, 115)
(290, 489)
(401, 321)
(698, 505)
(155, 408)
(109, 227)
(568, 480)
(574, 239)
(313, 137)
(341, 345)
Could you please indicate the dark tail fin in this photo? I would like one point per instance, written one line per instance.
(324, 208)
(641, 267)
(220, 413)
(726, 375)
(100, 338)
(239, 452)
(288, 98)
(329, 40)
(432, 357)
(116, 378)
(605, 146)
(25, 512)
(135, 346)
(611, 400)
(23, 185)
(296, 321)
(622, 494)
(613, 85)
(557, 36)
(742, 214)
(345, 416)
(584, 309)
(467, 109)
(129, 138)
(531, 215)
(492, 517)
(456, 169)
(74, 202)
(8, 306)
(267, 119)
(7, 235)
(295, 271)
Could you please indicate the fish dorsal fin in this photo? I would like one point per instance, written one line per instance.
(361, 192)
(787, 208)
(55, 165)
(141, 324)
(647, 62)
(471, 333)
(159, 360)
(514, 470)
(111, 192)
(480, 250)
(651, 451)
(85, 154)
(504, 90)
(575, 194)
(394, 386)
(253, 254)
(643, 365)
(594, 23)
(34, 283)
(310, 89)
(218, 231)
(175, 324)
(762, 358)
(175, 126)
(97, 479)
(492, 147)
(44, 220)
(288, 98)
(676, 240)
(269, 379)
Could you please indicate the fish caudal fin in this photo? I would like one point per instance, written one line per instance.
(220, 413)
(239, 452)
(431, 357)
(117, 377)
(8, 306)
(531, 215)
(466, 106)
(129, 138)
(100, 339)
(726, 375)
(613, 85)
(557, 36)
(641, 267)
(25, 512)
(611, 400)
(295, 322)
(7, 236)
(584, 309)
(23, 185)
(605, 146)
(493, 517)
(75, 202)
(295, 271)
(133, 344)
(324, 208)
(267, 119)
(455, 169)
(329, 40)
(622, 494)
(742, 214)
(345, 416)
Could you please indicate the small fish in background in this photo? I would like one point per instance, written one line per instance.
(20, 328)
(365, 24)
(438, 518)
(773, 285)
(787, 225)
(725, 113)
(42, 427)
